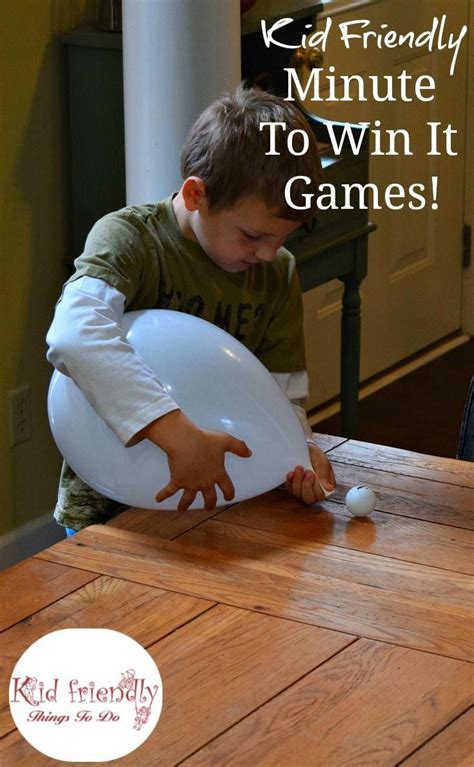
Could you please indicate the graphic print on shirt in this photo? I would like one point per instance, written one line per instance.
(236, 319)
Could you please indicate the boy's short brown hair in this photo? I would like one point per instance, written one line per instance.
(227, 150)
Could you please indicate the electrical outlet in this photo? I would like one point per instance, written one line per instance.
(19, 409)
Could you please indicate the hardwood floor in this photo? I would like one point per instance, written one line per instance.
(421, 411)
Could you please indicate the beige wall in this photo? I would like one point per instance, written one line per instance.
(34, 233)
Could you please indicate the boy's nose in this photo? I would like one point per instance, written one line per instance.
(265, 253)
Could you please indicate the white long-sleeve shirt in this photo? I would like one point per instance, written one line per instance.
(87, 343)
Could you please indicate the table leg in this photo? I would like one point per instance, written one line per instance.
(350, 355)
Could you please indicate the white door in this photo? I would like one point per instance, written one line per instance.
(412, 296)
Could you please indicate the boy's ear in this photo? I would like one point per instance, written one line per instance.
(194, 193)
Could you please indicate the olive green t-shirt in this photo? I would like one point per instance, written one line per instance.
(141, 251)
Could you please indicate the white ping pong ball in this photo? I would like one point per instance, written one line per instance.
(360, 501)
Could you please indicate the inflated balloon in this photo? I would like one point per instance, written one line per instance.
(216, 381)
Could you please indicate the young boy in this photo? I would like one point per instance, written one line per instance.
(213, 249)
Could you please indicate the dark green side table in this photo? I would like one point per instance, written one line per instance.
(336, 247)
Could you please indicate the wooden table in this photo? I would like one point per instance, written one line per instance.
(284, 635)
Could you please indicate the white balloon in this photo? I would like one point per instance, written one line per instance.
(216, 381)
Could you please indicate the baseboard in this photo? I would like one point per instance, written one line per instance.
(385, 379)
(28, 539)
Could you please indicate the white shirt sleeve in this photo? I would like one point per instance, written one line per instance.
(296, 387)
(87, 343)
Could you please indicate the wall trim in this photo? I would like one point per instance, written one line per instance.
(28, 539)
(385, 379)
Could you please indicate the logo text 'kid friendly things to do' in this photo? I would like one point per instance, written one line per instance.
(82, 695)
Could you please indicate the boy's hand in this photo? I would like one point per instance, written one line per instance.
(306, 485)
(195, 458)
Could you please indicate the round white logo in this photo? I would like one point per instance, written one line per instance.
(86, 695)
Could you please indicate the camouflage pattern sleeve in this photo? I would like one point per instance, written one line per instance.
(78, 505)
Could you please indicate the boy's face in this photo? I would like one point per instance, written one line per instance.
(237, 237)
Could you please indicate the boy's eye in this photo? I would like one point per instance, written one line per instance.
(251, 236)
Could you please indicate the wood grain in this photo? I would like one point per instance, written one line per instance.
(328, 442)
(164, 524)
(294, 557)
(219, 562)
(405, 462)
(221, 667)
(453, 746)
(33, 584)
(409, 496)
(384, 534)
(143, 613)
(215, 670)
(356, 709)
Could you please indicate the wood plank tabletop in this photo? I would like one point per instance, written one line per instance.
(284, 634)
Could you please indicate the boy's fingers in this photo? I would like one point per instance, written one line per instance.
(297, 482)
(324, 470)
(227, 487)
(238, 447)
(308, 489)
(186, 500)
(327, 480)
(210, 498)
(166, 492)
(325, 492)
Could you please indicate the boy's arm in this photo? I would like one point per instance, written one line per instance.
(296, 387)
(305, 487)
(87, 343)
